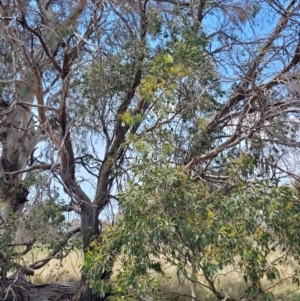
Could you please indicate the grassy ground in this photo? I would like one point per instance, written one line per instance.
(66, 269)
(230, 279)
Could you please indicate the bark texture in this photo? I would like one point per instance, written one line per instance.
(18, 289)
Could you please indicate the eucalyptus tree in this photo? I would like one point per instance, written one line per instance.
(47, 47)
(109, 86)
(222, 105)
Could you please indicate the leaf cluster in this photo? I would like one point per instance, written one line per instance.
(167, 218)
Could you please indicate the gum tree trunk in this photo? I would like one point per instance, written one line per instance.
(20, 132)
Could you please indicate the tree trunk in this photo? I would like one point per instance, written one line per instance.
(194, 283)
(85, 293)
(18, 289)
(89, 225)
(89, 230)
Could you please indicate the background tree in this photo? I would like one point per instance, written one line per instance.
(106, 86)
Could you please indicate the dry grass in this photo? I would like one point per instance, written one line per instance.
(230, 279)
(174, 289)
(66, 269)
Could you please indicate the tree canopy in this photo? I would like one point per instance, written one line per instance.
(183, 116)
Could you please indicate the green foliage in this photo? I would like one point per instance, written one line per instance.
(167, 217)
